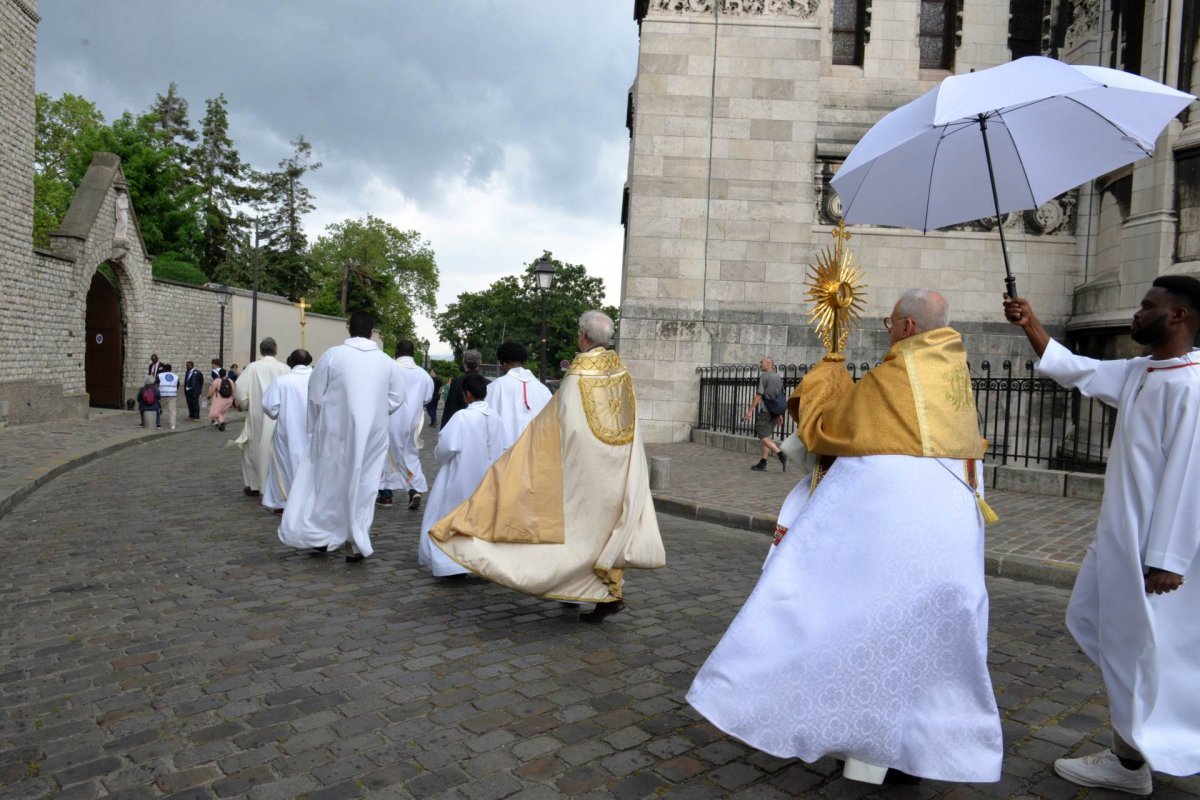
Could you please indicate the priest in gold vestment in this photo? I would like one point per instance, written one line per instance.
(866, 636)
(567, 508)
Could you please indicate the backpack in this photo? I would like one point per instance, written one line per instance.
(226, 388)
(148, 396)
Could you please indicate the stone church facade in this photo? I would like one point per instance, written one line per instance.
(741, 112)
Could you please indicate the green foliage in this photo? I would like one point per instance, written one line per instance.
(59, 125)
(370, 265)
(285, 200)
(219, 172)
(170, 267)
(445, 369)
(511, 310)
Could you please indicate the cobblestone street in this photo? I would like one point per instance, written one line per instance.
(158, 641)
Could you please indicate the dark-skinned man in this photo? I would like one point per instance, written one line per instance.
(1131, 611)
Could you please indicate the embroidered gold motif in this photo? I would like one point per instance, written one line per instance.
(610, 407)
(958, 388)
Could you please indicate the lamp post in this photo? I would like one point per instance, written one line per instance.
(544, 272)
(425, 344)
(253, 301)
(223, 298)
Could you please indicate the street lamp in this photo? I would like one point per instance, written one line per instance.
(544, 272)
(253, 301)
(223, 298)
(425, 344)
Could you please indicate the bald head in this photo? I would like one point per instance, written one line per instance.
(925, 307)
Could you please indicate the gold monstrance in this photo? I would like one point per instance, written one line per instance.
(835, 285)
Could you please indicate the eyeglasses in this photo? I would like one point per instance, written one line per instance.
(888, 322)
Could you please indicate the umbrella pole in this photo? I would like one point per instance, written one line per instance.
(1010, 282)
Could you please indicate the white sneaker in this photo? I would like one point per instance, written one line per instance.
(1104, 770)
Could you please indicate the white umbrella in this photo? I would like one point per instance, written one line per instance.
(1003, 139)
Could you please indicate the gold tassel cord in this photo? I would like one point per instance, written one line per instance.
(989, 516)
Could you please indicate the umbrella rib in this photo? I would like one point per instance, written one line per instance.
(1020, 158)
(929, 185)
(1124, 132)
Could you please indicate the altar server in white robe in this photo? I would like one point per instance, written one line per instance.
(866, 636)
(286, 402)
(517, 396)
(255, 438)
(1133, 610)
(467, 447)
(402, 467)
(351, 392)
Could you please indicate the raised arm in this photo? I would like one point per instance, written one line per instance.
(1020, 313)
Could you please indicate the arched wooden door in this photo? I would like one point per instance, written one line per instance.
(104, 362)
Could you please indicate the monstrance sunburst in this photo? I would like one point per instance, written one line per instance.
(836, 287)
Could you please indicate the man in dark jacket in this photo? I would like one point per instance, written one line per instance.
(455, 401)
(193, 387)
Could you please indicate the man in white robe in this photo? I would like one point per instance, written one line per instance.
(286, 402)
(567, 509)
(1132, 610)
(466, 448)
(255, 438)
(866, 636)
(352, 391)
(402, 468)
(517, 396)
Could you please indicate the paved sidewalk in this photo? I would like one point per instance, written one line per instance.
(31, 455)
(1038, 538)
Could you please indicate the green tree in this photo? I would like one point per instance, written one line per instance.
(370, 265)
(285, 200)
(220, 173)
(59, 125)
(511, 310)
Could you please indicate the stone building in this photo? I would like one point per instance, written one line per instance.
(741, 112)
(78, 322)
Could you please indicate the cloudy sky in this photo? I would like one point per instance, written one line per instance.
(496, 128)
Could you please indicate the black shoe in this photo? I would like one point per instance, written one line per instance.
(761, 466)
(414, 500)
(319, 551)
(354, 558)
(783, 460)
(895, 777)
(221, 426)
(601, 611)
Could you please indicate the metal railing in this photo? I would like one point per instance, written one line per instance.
(1027, 420)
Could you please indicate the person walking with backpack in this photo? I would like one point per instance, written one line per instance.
(768, 408)
(149, 402)
(220, 399)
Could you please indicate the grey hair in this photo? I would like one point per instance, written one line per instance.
(925, 307)
(268, 347)
(473, 358)
(596, 327)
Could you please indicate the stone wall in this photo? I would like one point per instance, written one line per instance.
(739, 120)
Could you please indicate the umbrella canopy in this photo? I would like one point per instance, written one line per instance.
(1049, 127)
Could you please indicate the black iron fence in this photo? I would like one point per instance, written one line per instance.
(1028, 421)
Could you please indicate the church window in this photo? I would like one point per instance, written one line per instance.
(849, 31)
(1025, 18)
(1127, 17)
(938, 23)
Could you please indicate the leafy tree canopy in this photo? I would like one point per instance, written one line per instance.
(511, 310)
(370, 265)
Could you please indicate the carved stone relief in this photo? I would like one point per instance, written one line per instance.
(1085, 17)
(781, 8)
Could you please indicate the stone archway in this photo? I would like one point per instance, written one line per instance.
(104, 357)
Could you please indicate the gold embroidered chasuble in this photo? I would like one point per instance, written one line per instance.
(917, 402)
(568, 506)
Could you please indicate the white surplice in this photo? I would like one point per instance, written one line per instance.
(866, 636)
(402, 467)
(286, 402)
(351, 392)
(516, 397)
(255, 438)
(1147, 646)
(467, 446)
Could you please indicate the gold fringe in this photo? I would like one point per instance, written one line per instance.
(989, 516)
